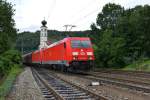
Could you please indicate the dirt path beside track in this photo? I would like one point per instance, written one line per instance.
(25, 87)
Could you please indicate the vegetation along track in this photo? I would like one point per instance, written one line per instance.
(54, 88)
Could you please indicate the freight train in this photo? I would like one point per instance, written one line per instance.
(71, 53)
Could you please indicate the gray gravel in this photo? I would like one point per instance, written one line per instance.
(109, 91)
(25, 87)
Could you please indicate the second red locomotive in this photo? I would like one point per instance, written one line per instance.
(72, 53)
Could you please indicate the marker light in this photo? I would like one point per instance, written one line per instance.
(89, 53)
(75, 53)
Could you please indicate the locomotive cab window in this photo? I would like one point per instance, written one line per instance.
(75, 44)
(80, 44)
(86, 44)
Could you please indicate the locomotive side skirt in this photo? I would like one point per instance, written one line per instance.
(55, 62)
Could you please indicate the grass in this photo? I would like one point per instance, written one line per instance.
(6, 86)
(139, 66)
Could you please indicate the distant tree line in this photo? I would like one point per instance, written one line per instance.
(29, 41)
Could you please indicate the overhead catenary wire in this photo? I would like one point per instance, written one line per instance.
(51, 9)
(86, 16)
(83, 8)
(75, 22)
(84, 23)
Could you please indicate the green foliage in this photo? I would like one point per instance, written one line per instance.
(107, 19)
(7, 30)
(140, 65)
(121, 36)
(110, 52)
(13, 55)
(95, 34)
(7, 85)
(10, 66)
(8, 60)
(134, 26)
(29, 41)
(4, 43)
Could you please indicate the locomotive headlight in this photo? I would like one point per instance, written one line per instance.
(74, 58)
(89, 53)
(75, 53)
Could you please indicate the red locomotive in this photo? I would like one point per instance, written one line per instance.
(72, 53)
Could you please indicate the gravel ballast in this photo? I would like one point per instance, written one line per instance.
(25, 87)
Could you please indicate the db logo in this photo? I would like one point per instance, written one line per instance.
(82, 53)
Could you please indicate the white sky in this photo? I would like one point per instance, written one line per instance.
(30, 13)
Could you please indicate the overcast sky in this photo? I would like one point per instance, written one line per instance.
(30, 13)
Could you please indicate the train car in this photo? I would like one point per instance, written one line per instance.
(27, 59)
(72, 53)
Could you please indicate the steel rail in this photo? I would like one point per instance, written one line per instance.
(119, 83)
(87, 93)
(59, 97)
(82, 88)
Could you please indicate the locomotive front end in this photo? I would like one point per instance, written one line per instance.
(82, 54)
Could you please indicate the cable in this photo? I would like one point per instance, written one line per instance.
(87, 15)
(83, 8)
(51, 9)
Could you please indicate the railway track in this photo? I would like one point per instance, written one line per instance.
(45, 89)
(125, 83)
(138, 86)
(54, 88)
(129, 78)
(129, 73)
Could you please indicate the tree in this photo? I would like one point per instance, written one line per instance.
(107, 19)
(94, 34)
(111, 50)
(7, 30)
(134, 27)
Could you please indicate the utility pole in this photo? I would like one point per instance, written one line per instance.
(71, 26)
(66, 28)
(22, 44)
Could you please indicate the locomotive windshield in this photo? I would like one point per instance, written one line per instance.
(80, 43)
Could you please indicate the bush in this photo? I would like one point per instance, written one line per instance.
(6, 86)
(2, 69)
(140, 65)
(13, 55)
(8, 60)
